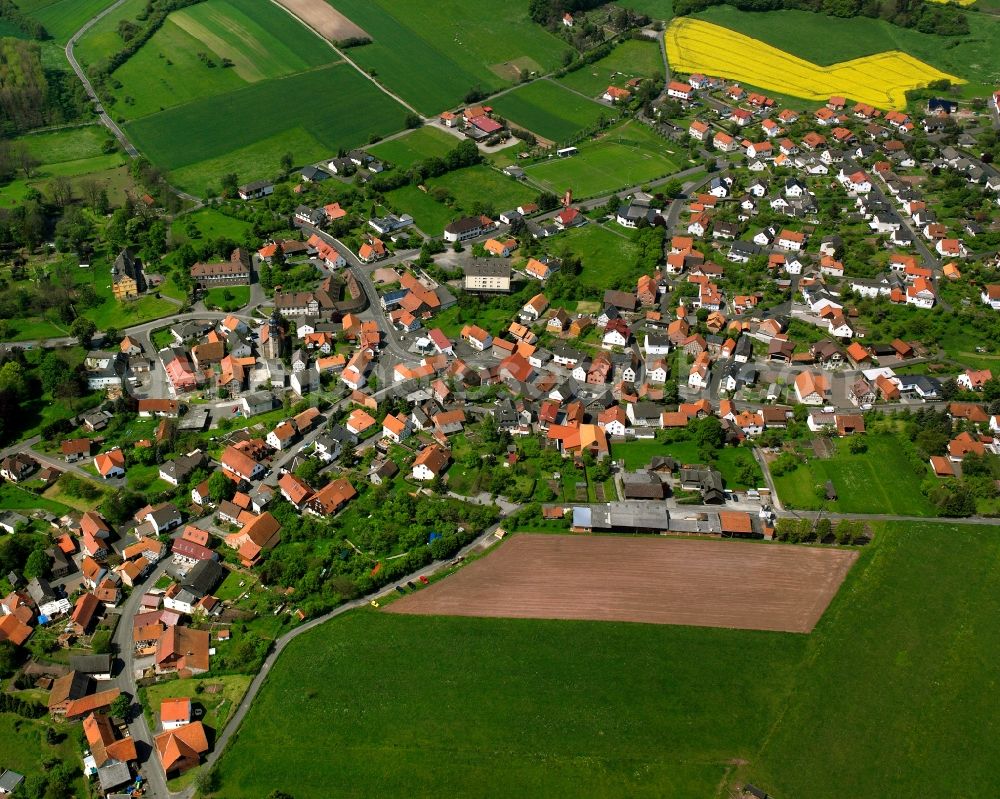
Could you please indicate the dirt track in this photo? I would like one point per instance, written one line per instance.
(736, 584)
(324, 19)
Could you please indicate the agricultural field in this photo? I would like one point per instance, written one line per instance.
(549, 110)
(421, 144)
(62, 18)
(918, 603)
(631, 59)
(881, 79)
(76, 153)
(824, 40)
(880, 480)
(627, 155)
(183, 61)
(199, 141)
(432, 54)
(643, 579)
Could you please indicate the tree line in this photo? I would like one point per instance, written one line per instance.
(926, 17)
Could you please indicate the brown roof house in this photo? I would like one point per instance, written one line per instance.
(182, 650)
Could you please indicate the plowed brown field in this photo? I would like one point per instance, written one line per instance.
(743, 585)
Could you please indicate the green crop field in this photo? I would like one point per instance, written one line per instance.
(483, 184)
(442, 706)
(62, 18)
(880, 480)
(825, 40)
(631, 59)
(312, 114)
(432, 54)
(182, 61)
(549, 110)
(423, 143)
(627, 155)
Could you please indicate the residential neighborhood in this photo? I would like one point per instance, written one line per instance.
(376, 373)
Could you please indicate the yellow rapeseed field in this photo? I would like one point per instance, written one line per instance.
(879, 80)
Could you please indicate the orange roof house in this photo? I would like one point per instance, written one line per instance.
(181, 749)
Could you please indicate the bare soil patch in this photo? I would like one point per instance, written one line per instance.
(740, 585)
(822, 448)
(324, 19)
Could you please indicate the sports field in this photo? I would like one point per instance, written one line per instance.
(432, 54)
(633, 58)
(322, 118)
(880, 480)
(183, 60)
(549, 110)
(825, 40)
(423, 143)
(659, 581)
(902, 661)
(627, 155)
(881, 79)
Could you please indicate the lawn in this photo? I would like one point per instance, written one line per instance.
(633, 58)
(462, 706)
(428, 214)
(826, 40)
(208, 223)
(549, 110)
(218, 707)
(111, 312)
(880, 480)
(182, 61)
(432, 54)
(24, 748)
(230, 298)
(482, 184)
(730, 461)
(607, 255)
(421, 144)
(56, 493)
(627, 155)
(318, 117)
(13, 497)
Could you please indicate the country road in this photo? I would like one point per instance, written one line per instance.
(105, 118)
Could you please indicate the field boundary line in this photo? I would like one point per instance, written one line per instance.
(338, 51)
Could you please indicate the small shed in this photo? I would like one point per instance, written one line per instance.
(831, 492)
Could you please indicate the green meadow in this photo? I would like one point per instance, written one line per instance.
(901, 662)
